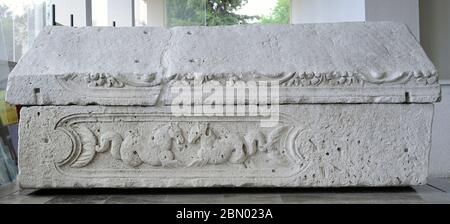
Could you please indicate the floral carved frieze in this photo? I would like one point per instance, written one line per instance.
(108, 80)
(293, 79)
(103, 80)
(308, 79)
(126, 87)
(148, 89)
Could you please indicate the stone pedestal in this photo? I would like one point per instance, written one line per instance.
(353, 106)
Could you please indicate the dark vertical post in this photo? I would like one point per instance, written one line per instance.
(114, 23)
(133, 14)
(53, 15)
(71, 20)
(88, 12)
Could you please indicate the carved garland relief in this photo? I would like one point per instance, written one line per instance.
(295, 79)
(108, 85)
(309, 79)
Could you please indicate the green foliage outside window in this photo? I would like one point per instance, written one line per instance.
(219, 12)
(280, 14)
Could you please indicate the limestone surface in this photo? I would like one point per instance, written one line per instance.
(328, 145)
(370, 62)
(354, 107)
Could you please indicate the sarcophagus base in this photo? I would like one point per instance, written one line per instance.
(312, 146)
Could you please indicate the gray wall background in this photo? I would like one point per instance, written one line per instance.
(435, 33)
(406, 11)
(435, 39)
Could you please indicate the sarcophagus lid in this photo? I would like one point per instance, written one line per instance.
(314, 63)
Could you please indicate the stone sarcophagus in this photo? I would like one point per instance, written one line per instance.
(317, 105)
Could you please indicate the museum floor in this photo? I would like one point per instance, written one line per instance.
(436, 191)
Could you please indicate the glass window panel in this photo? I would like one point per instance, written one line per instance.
(226, 12)
(185, 13)
(100, 13)
(140, 12)
(20, 23)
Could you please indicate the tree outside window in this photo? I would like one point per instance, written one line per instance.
(223, 12)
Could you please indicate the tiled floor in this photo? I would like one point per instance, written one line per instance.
(436, 191)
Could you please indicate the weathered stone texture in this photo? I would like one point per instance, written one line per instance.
(355, 107)
(314, 145)
(358, 62)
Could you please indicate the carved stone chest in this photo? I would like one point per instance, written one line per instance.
(317, 105)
